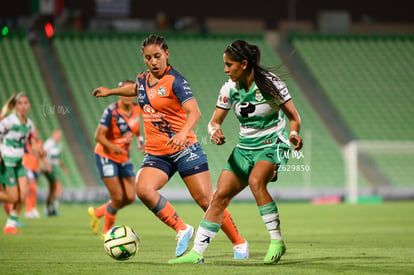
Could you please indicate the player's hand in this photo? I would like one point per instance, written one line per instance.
(141, 147)
(217, 137)
(118, 150)
(297, 141)
(101, 92)
(178, 141)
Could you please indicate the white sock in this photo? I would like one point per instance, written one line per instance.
(202, 239)
(272, 224)
(12, 219)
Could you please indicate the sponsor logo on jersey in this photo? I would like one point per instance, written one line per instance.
(121, 120)
(152, 93)
(141, 88)
(268, 141)
(148, 109)
(141, 97)
(123, 127)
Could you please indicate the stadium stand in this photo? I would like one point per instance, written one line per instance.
(19, 71)
(373, 101)
(368, 79)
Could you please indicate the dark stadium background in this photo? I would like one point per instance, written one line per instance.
(283, 29)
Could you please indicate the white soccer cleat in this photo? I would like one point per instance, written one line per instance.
(183, 239)
(241, 251)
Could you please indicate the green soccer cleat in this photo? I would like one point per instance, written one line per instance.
(191, 257)
(275, 252)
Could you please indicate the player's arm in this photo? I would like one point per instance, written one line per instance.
(63, 166)
(129, 90)
(294, 124)
(100, 136)
(216, 134)
(140, 140)
(193, 116)
(34, 143)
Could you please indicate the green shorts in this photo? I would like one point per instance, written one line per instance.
(242, 161)
(52, 176)
(10, 174)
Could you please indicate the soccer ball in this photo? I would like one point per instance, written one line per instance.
(121, 242)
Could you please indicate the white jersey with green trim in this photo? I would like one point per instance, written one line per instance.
(262, 123)
(14, 136)
(53, 151)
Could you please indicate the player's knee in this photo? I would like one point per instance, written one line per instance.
(144, 193)
(13, 198)
(203, 202)
(220, 200)
(257, 183)
(129, 199)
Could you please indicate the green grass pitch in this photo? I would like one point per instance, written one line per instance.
(321, 239)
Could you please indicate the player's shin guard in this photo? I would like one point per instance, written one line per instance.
(110, 217)
(167, 214)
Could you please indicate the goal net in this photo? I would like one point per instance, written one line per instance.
(393, 173)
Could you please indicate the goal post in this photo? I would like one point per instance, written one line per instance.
(355, 147)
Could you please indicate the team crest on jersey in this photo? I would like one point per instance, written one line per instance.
(162, 91)
(258, 96)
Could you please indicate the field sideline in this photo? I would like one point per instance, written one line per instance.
(321, 239)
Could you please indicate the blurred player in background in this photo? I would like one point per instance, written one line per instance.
(53, 147)
(119, 123)
(170, 113)
(258, 97)
(16, 129)
(32, 161)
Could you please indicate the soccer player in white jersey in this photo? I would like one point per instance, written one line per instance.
(258, 97)
(15, 130)
(53, 147)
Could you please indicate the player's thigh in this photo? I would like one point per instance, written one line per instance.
(262, 173)
(22, 184)
(200, 187)
(128, 187)
(228, 186)
(114, 187)
(12, 193)
(150, 179)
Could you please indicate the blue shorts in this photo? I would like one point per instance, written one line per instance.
(31, 174)
(108, 168)
(189, 161)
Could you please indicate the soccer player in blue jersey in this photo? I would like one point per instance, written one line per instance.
(260, 101)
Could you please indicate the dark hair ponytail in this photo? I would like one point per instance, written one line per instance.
(241, 50)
